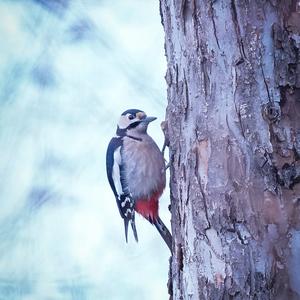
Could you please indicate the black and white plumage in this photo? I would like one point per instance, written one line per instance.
(115, 175)
(136, 172)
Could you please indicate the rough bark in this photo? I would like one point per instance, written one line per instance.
(233, 121)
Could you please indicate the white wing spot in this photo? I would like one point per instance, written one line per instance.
(127, 199)
(128, 211)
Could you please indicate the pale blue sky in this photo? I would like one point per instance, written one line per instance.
(67, 71)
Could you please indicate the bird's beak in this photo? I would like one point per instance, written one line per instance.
(149, 119)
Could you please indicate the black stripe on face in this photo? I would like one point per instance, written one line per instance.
(122, 131)
(133, 125)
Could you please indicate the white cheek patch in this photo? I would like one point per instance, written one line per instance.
(123, 122)
(116, 171)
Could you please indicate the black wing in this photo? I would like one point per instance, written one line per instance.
(118, 184)
(113, 145)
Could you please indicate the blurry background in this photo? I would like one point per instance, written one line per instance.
(68, 69)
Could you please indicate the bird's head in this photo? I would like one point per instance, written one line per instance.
(133, 121)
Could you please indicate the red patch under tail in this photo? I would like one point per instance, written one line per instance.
(148, 207)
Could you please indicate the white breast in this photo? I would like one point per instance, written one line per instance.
(144, 166)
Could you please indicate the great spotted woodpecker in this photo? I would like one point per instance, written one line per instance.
(136, 172)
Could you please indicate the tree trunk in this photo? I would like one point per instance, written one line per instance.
(233, 120)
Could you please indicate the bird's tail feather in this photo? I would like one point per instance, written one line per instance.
(126, 221)
(134, 229)
(164, 232)
(132, 222)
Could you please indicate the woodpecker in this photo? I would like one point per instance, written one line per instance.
(136, 172)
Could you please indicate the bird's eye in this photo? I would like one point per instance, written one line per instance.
(131, 117)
